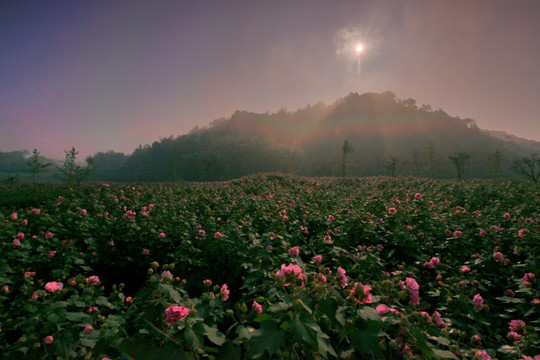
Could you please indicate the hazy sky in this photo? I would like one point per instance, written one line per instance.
(110, 75)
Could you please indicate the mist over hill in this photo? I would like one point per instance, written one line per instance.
(385, 136)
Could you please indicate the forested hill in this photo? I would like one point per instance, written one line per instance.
(358, 135)
(388, 136)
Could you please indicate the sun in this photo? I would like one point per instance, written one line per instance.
(359, 48)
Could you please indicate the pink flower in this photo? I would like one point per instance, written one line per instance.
(83, 212)
(54, 286)
(330, 217)
(478, 302)
(13, 216)
(392, 210)
(465, 269)
(285, 218)
(129, 299)
(382, 309)
(342, 276)
(161, 235)
(87, 328)
(417, 196)
(517, 325)
(523, 232)
(257, 307)
(361, 294)
(111, 243)
(5, 289)
(321, 277)
(458, 233)
(294, 251)
(270, 248)
(29, 273)
(409, 227)
(506, 215)
(482, 232)
(48, 339)
(437, 319)
(35, 211)
(290, 273)
(175, 313)
(20, 236)
(51, 254)
(414, 289)
(476, 339)
(528, 278)
(92, 280)
(202, 232)
(217, 235)
(318, 259)
(146, 251)
(498, 256)
(16, 242)
(48, 235)
(433, 263)
(512, 335)
(225, 290)
(482, 355)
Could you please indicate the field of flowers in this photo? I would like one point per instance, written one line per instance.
(271, 266)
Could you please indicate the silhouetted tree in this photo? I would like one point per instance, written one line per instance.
(528, 167)
(72, 172)
(430, 150)
(495, 161)
(460, 162)
(416, 162)
(35, 164)
(346, 149)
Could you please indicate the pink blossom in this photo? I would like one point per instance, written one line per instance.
(35, 211)
(5, 289)
(146, 251)
(294, 251)
(161, 235)
(202, 232)
(87, 328)
(498, 256)
(175, 313)
(414, 289)
(217, 235)
(111, 243)
(48, 235)
(438, 320)
(392, 210)
(433, 263)
(13, 216)
(257, 307)
(83, 212)
(285, 218)
(330, 217)
(225, 291)
(318, 259)
(382, 309)
(409, 227)
(535, 301)
(269, 248)
(29, 273)
(477, 339)
(478, 302)
(129, 299)
(321, 277)
(417, 196)
(361, 294)
(54, 286)
(523, 232)
(20, 236)
(517, 325)
(290, 273)
(528, 278)
(482, 232)
(48, 339)
(16, 242)
(458, 233)
(51, 254)
(342, 276)
(92, 280)
(512, 335)
(482, 355)
(506, 215)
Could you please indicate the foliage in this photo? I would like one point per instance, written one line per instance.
(528, 167)
(36, 165)
(271, 266)
(73, 172)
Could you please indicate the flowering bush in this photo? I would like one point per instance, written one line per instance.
(272, 266)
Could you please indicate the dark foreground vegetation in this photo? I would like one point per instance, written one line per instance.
(271, 266)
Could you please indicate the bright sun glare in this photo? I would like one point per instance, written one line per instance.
(359, 48)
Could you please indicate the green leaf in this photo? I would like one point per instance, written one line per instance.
(192, 338)
(268, 339)
(303, 333)
(214, 335)
(443, 354)
(78, 316)
(366, 340)
(103, 301)
(367, 313)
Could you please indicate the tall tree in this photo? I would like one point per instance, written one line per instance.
(430, 150)
(495, 161)
(36, 165)
(73, 172)
(528, 167)
(346, 149)
(460, 162)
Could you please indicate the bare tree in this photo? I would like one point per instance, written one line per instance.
(346, 149)
(35, 164)
(460, 161)
(495, 161)
(528, 167)
(430, 150)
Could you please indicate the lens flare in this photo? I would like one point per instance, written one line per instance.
(359, 48)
